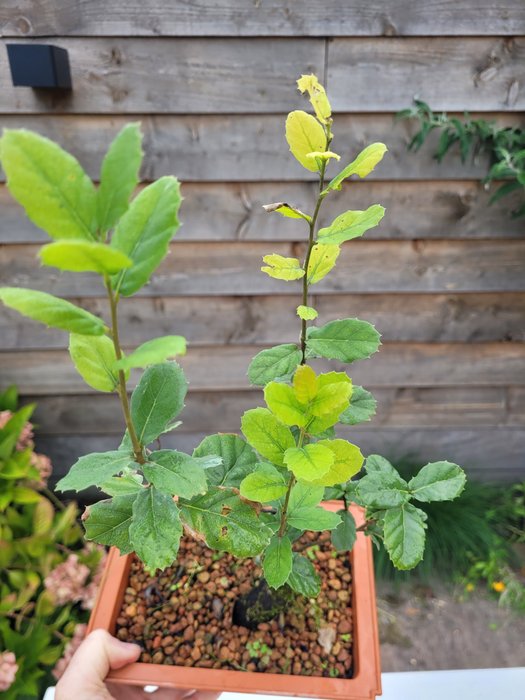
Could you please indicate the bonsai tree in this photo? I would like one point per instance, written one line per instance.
(252, 496)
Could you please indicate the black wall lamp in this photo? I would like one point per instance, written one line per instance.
(39, 66)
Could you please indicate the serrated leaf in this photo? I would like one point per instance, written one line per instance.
(376, 463)
(344, 535)
(277, 562)
(278, 362)
(286, 210)
(404, 535)
(175, 473)
(144, 233)
(347, 340)
(309, 462)
(303, 578)
(119, 175)
(438, 481)
(361, 409)
(351, 224)
(93, 470)
(122, 485)
(108, 522)
(94, 359)
(153, 352)
(155, 529)
(226, 523)
(305, 135)
(305, 384)
(52, 311)
(264, 484)
(84, 256)
(266, 434)
(322, 260)
(363, 165)
(348, 461)
(282, 268)
(317, 95)
(157, 400)
(50, 184)
(383, 490)
(306, 313)
(238, 459)
(283, 403)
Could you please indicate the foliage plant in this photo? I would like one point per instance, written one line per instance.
(505, 147)
(48, 577)
(251, 495)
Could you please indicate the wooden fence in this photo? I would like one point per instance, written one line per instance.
(442, 277)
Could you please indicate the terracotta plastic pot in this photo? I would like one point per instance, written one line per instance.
(366, 681)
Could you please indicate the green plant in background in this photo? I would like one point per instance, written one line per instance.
(505, 146)
(251, 496)
(48, 579)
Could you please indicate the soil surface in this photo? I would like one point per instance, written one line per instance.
(183, 617)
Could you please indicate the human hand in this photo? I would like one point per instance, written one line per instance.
(84, 678)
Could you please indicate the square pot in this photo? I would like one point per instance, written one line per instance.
(364, 685)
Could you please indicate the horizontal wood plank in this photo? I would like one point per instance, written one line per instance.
(23, 18)
(220, 268)
(243, 148)
(224, 368)
(473, 318)
(479, 451)
(233, 212)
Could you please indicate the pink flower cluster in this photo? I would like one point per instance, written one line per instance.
(90, 593)
(8, 669)
(66, 581)
(71, 647)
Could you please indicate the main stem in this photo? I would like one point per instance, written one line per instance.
(122, 389)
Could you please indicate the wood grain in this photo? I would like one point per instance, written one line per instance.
(23, 18)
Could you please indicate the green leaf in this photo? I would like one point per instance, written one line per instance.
(322, 260)
(438, 481)
(226, 523)
(94, 359)
(9, 397)
(144, 233)
(52, 311)
(312, 518)
(303, 578)
(376, 463)
(93, 470)
(175, 473)
(84, 256)
(331, 398)
(351, 224)
(383, 490)
(108, 522)
(155, 529)
(119, 175)
(237, 457)
(305, 384)
(266, 434)
(10, 433)
(305, 135)
(343, 537)
(282, 402)
(50, 184)
(362, 407)
(309, 462)
(347, 340)
(277, 562)
(363, 165)
(122, 485)
(307, 313)
(348, 460)
(153, 352)
(157, 400)
(278, 362)
(281, 268)
(286, 210)
(264, 485)
(404, 535)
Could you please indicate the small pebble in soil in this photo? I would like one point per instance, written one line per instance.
(183, 616)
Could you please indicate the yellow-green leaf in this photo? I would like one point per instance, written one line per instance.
(282, 402)
(94, 359)
(331, 398)
(322, 260)
(305, 384)
(317, 95)
(362, 166)
(286, 210)
(310, 462)
(154, 351)
(351, 224)
(305, 135)
(282, 268)
(307, 313)
(348, 460)
(324, 155)
(84, 256)
(266, 434)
